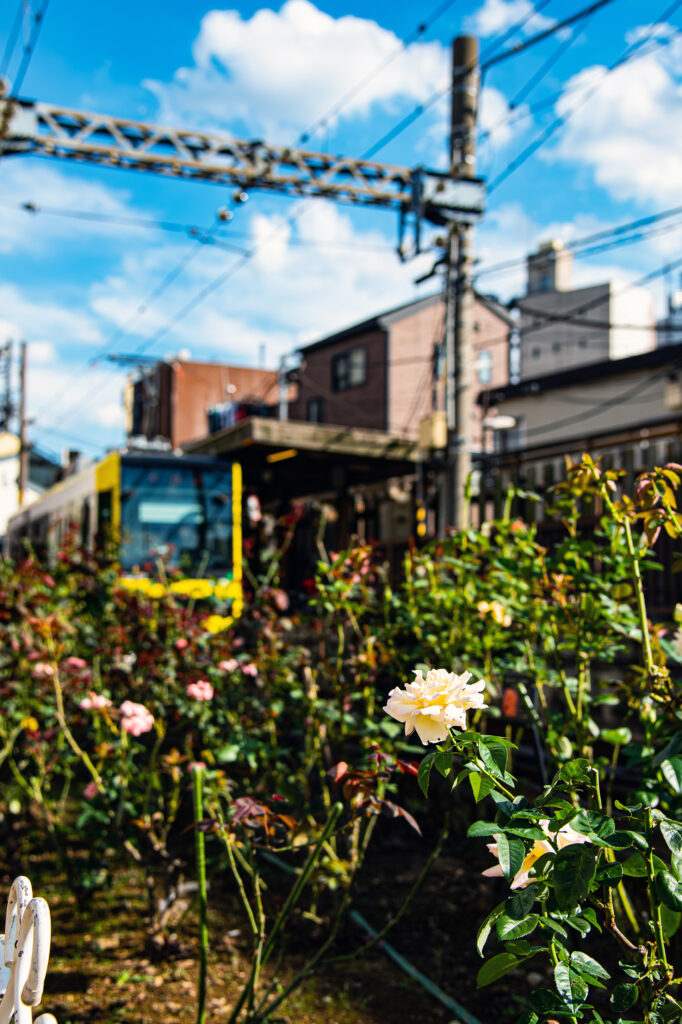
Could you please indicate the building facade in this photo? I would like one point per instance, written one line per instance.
(388, 373)
(563, 327)
(171, 401)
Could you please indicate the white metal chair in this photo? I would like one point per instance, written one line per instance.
(25, 949)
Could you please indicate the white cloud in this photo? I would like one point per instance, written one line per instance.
(42, 352)
(627, 133)
(493, 115)
(496, 16)
(43, 321)
(279, 71)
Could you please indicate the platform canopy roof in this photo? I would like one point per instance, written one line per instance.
(287, 459)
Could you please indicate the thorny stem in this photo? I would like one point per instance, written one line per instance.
(654, 904)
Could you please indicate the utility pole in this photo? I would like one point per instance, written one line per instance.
(459, 356)
(23, 441)
(6, 376)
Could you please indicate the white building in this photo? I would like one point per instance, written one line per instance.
(564, 327)
(42, 474)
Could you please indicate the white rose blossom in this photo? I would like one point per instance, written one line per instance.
(566, 836)
(435, 704)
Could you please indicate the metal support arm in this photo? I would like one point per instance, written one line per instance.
(49, 130)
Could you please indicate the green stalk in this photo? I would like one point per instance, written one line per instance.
(641, 603)
(290, 902)
(653, 902)
(297, 889)
(200, 848)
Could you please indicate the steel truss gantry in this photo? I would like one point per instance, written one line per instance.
(418, 195)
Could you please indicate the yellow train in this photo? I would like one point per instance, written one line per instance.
(184, 510)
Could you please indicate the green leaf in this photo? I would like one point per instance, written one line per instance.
(483, 828)
(586, 964)
(635, 866)
(443, 761)
(511, 854)
(481, 785)
(424, 773)
(574, 870)
(672, 833)
(673, 747)
(570, 985)
(617, 737)
(496, 968)
(529, 1017)
(508, 928)
(486, 927)
(610, 873)
(544, 1001)
(672, 773)
(521, 902)
(623, 997)
(575, 771)
(668, 890)
(593, 823)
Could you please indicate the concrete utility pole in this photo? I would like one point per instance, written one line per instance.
(459, 354)
(23, 441)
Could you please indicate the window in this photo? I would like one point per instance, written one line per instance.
(556, 346)
(535, 353)
(315, 410)
(485, 366)
(582, 343)
(349, 369)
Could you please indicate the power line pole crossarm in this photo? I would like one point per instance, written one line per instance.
(459, 292)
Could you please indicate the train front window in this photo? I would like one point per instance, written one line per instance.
(181, 514)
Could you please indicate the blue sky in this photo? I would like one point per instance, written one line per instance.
(72, 288)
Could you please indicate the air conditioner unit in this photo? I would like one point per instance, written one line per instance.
(672, 395)
(432, 431)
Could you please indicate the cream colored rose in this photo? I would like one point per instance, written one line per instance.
(566, 836)
(435, 704)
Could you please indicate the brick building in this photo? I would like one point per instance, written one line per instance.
(388, 373)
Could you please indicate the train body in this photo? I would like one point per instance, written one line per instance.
(184, 510)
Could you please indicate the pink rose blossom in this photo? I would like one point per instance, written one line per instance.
(41, 670)
(181, 643)
(250, 669)
(201, 690)
(196, 766)
(136, 719)
(95, 702)
(91, 790)
(74, 664)
(229, 665)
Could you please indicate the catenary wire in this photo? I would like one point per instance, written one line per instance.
(616, 234)
(337, 107)
(12, 38)
(247, 255)
(561, 120)
(30, 46)
(421, 108)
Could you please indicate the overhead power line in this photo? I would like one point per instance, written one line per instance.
(421, 108)
(560, 120)
(12, 38)
(336, 108)
(30, 46)
(615, 234)
(540, 37)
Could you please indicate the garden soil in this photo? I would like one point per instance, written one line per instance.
(102, 970)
